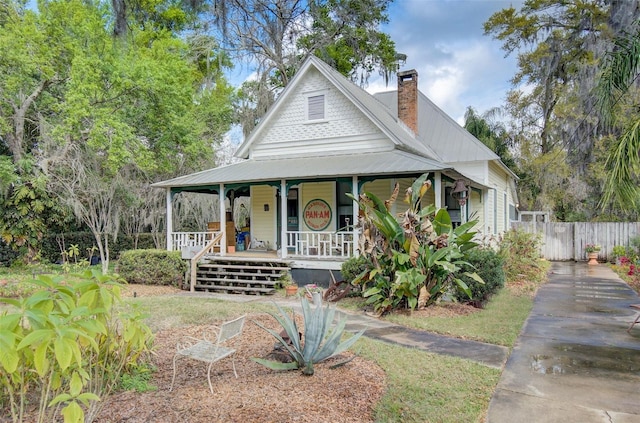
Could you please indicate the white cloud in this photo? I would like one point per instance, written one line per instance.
(458, 66)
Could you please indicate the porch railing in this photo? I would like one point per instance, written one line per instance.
(320, 244)
(310, 244)
(180, 240)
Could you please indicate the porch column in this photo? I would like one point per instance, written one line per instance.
(437, 189)
(356, 212)
(464, 210)
(485, 204)
(223, 220)
(169, 220)
(283, 219)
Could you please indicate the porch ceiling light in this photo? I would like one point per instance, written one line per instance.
(460, 191)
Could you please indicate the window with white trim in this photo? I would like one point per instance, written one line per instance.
(495, 211)
(505, 205)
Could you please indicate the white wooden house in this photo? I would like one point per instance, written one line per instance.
(325, 137)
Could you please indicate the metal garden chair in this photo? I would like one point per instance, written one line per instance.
(210, 351)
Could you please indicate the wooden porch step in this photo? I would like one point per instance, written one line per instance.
(237, 276)
(235, 289)
(217, 265)
(241, 272)
(238, 281)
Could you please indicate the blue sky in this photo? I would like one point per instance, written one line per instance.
(457, 65)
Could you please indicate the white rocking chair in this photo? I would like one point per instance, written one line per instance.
(210, 351)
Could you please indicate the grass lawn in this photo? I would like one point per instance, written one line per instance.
(499, 323)
(421, 387)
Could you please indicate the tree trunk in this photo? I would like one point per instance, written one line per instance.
(16, 139)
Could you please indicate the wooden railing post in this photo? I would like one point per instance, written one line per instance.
(197, 257)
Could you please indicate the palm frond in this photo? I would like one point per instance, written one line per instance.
(623, 165)
(621, 69)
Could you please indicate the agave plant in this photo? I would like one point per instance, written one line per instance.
(322, 339)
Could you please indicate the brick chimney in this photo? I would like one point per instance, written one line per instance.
(408, 98)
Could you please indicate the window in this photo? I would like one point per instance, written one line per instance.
(345, 205)
(316, 107)
(495, 211)
(506, 211)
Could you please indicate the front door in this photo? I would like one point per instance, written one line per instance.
(293, 212)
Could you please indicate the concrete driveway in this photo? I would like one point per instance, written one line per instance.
(574, 360)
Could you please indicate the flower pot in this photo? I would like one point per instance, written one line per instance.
(291, 290)
(593, 258)
(231, 249)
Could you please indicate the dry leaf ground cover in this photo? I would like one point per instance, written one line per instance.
(347, 393)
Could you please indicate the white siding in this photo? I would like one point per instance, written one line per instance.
(499, 181)
(263, 223)
(318, 190)
(476, 209)
(475, 170)
(344, 129)
(381, 188)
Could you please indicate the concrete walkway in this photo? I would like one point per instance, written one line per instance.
(574, 360)
(488, 354)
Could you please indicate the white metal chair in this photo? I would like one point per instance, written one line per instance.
(637, 308)
(210, 351)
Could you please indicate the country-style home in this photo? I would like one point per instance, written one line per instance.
(326, 137)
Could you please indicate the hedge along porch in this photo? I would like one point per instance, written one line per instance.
(325, 137)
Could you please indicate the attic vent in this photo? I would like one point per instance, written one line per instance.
(315, 107)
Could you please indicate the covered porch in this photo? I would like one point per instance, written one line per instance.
(300, 209)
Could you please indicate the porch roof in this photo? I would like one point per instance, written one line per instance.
(393, 162)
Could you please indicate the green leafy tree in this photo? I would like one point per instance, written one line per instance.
(560, 46)
(491, 132)
(29, 67)
(28, 211)
(553, 41)
(276, 36)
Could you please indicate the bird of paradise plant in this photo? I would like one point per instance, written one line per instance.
(415, 258)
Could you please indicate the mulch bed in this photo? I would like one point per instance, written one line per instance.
(345, 394)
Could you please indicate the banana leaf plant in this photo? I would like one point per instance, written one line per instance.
(322, 339)
(416, 257)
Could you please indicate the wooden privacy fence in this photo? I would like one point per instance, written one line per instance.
(566, 241)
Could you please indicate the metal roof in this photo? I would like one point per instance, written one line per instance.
(451, 142)
(389, 163)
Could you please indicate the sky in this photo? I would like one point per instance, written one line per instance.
(458, 66)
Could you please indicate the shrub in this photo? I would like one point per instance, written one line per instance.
(53, 244)
(152, 267)
(524, 269)
(65, 346)
(355, 267)
(7, 254)
(488, 266)
(417, 255)
(521, 253)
